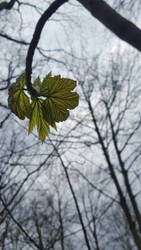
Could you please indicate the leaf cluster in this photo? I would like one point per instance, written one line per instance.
(52, 103)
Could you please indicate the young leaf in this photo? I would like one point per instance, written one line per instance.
(54, 113)
(59, 99)
(48, 112)
(18, 101)
(52, 85)
(37, 84)
(37, 119)
(54, 107)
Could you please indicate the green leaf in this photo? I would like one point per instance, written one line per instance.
(48, 112)
(37, 84)
(54, 113)
(37, 119)
(59, 98)
(52, 85)
(56, 99)
(67, 100)
(18, 101)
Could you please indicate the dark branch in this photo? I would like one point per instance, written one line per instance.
(36, 36)
(4, 120)
(4, 106)
(19, 225)
(7, 6)
(13, 39)
(119, 25)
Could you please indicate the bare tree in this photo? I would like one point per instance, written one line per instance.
(113, 104)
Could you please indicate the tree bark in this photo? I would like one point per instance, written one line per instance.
(120, 26)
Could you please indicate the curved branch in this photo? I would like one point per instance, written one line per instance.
(36, 36)
(120, 26)
(7, 6)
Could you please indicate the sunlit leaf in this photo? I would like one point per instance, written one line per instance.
(37, 119)
(54, 113)
(59, 99)
(48, 112)
(52, 104)
(37, 84)
(68, 100)
(52, 85)
(18, 101)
